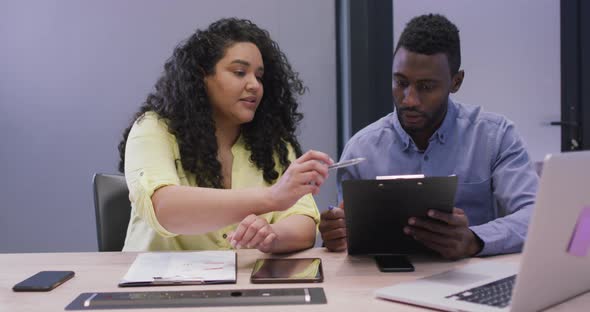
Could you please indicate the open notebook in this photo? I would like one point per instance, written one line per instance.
(182, 268)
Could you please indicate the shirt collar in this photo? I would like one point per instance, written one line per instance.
(441, 134)
(404, 136)
(240, 143)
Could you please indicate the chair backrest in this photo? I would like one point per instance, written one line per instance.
(113, 209)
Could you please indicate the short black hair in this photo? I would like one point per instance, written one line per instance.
(431, 34)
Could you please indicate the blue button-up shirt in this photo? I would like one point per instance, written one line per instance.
(497, 181)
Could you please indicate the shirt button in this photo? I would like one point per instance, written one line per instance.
(426, 158)
(224, 235)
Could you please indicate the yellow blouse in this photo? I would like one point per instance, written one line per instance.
(152, 160)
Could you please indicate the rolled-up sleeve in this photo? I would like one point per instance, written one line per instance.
(515, 185)
(150, 163)
(305, 206)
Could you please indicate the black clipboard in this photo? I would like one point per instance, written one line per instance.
(378, 210)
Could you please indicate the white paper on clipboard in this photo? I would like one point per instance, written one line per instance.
(170, 268)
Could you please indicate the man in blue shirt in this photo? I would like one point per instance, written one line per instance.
(430, 134)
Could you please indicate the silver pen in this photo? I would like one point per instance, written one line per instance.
(346, 163)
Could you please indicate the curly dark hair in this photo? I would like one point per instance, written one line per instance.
(430, 34)
(180, 97)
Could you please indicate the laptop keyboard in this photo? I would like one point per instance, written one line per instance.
(496, 294)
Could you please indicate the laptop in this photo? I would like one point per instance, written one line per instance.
(555, 264)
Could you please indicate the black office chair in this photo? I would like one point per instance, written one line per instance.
(113, 209)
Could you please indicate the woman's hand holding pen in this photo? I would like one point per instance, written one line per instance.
(305, 175)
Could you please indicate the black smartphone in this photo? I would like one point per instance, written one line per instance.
(391, 263)
(44, 281)
(293, 270)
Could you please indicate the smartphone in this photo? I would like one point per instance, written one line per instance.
(44, 281)
(394, 264)
(293, 270)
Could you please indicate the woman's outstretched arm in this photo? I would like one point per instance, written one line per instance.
(197, 210)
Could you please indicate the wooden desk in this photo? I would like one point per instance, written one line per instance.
(349, 281)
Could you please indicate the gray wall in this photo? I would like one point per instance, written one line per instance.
(511, 57)
(73, 72)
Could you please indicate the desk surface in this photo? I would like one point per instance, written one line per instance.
(349, 281)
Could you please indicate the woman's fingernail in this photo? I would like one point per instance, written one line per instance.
(233, 243)
(412, 221)
(430, 213)
(407, 230)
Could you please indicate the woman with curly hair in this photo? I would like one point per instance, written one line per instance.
(211, 157)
